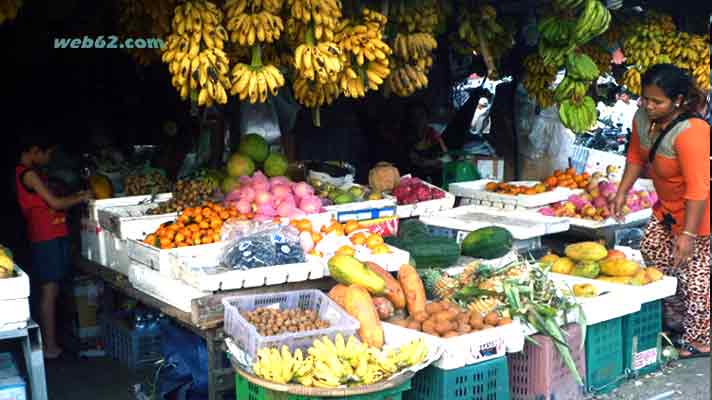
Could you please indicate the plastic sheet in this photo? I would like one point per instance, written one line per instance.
(260, 118)
(263, 245)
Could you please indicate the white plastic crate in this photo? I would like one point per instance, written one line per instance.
(661, 289)
(476, 190)
(117, 253)
(93, 240)
(250, 341)
(94, 206)
(170, 291)
(472, 348)
(426, 207)
(14, 301)
(131, 222)
(522, 224)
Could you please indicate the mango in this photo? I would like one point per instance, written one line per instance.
(586, 251)
(563, 265)
(653, 274)
(640, 279)
(348, 271)
(585, 290)
(586, 269)
(621, 280)
(548, 259)
(619, 267)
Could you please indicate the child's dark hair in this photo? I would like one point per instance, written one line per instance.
(30, 140)
(674, 82)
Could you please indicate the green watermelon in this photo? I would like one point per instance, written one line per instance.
(488, 243)
(254, 146)
(275, 165)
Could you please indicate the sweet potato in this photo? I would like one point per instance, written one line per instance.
(413, 288)
(394, 291)
(359, 304)
(338, 293)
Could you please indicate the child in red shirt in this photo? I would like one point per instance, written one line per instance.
(47, 231)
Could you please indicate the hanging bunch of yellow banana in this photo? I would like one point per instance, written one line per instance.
(255, 82)
(160, 12)
(538, 78)
(194, 53)
(135, 20)
(656, 41)
(485, 35)
(322, 15)
(406, 79)
(364, 54)
(260, 27)
(9, 9)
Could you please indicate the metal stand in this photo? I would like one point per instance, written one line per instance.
(34, 359)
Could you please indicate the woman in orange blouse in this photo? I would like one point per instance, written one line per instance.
(671, 144)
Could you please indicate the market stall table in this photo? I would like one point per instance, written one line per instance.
(205, 319)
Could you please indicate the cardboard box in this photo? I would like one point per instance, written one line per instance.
(83, 307)
(490, 167)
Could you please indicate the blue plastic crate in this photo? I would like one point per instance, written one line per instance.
(135, 348)
(604, 356)
(488, 380)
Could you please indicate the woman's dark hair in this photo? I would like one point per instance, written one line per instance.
(674, 81)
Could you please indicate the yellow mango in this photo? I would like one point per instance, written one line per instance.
(619, 267)
(640, 278)
(586, 251)
(653, 274)
(621, 280)
(563, 265)
(585, 290)
(548, 259)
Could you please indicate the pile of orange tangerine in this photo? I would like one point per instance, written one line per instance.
(194, 226)
(568, 179)
(372, 241)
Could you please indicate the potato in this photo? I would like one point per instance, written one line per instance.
(400, 322)
(462, 318)
(420, 317)
(415, 325)
(442, 327)
(450, 334)
(504, 321)
(394, 291)
(428, 327)
(432, 308)
(476, 321)
(338, 293)
(448, 315)
(359, 304)
(464, 327)
(491, 318)
(413, 287)
(486, 326)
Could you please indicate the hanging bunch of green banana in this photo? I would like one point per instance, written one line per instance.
(194, 53)
(556, 39)
(538, 78)
(364, 54)
(486, 35)
(593, 21)
(601, 57)
(579, 115)
(330, 364)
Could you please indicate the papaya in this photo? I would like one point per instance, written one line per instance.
(586, 251)
(338, 294)
(619, 267)
(394, 290)
(359, 304)
(563, 265)
(488, 243)
(413, 288)
(348, 270)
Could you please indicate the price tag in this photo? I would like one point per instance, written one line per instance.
(645, 358)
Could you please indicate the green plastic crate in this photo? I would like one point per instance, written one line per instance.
(604, 355)
(250, 391)
(488, 380)
(641, 338)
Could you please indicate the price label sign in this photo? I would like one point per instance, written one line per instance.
(645, 358)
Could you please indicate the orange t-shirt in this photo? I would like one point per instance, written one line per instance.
(680, 170)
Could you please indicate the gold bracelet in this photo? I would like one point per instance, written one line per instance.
(690, 234)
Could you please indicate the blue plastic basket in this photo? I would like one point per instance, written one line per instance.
(135, 348)
(604, 356)
(488, 380)
(641, 333)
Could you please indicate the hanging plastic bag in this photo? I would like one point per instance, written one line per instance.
(264, 245)
(260, 118)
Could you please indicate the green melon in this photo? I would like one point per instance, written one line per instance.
(488, 243)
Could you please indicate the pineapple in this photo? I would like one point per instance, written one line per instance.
(491, 284)
(446, 287)
(430, 277)
(468, 274)
(484, 305)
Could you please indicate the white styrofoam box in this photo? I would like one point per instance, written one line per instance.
(363, 210)
(131, 222)
(471, 348)
(215, 278)
(173, 292)
(17, 287)
(522, 224)
(14, 312)
(117, 253)
(389, 261)
(598, 160)
(94, 206)
(609, 304)
(427, 207)
(13, 388)
(93, 239)
(476, 190)
(637, 216)
(167, 262)
(661, 289)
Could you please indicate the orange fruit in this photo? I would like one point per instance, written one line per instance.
(316, 237)
(180, 238)
(204, 225)
(150, 239)
(216, 223)
(165, 241)
(346, 251)
(359, 239)
(295, 223)
(305, 225)
(571, 171)
(351, 226)
(373, 241)
(557, 173)
(381, 249)
(206, 239)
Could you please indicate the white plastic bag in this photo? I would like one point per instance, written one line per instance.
(550, 139)
(261, 119)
